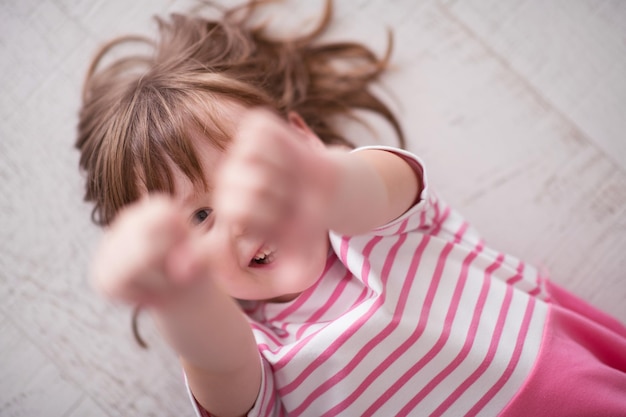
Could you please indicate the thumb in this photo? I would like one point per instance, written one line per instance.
(184, 262)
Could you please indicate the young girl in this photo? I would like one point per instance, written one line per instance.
(296, 277)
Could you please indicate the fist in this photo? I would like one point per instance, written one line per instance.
(145, 256)
(273, 174)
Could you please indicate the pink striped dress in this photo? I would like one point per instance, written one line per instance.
(419, 317)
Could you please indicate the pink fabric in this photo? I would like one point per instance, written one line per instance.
(581, 369)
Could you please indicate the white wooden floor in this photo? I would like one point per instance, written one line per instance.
(518, 108)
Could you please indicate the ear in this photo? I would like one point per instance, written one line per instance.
(296, 121)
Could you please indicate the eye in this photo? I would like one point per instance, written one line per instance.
(200, 216)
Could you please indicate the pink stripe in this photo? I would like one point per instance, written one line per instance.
(284, 360)
(495, 340)
(539, 289)
(264, 395)
(345, 336)
(458, 291)
(435, 205)
(459, 234)
(343, 249)
(264, 347)
(422, 224)
(306, 295)
(268, 334)
(408, 281)
(439, 221)
(281, 362)
(469, 341)
(367, 250)
(269, 410)
(512, 364)
(517, 277)
(327, 305)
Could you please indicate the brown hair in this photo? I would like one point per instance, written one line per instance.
(138, 110)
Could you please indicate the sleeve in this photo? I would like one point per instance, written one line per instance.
(267, 403)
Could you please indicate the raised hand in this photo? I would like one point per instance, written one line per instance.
(274, 177)
(146, 254)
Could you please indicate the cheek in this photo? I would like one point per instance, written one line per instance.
(312, 261)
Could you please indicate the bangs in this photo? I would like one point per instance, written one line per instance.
(169, 112)
(163, 128)
(168, 117)
(151, 135)
(162, 140)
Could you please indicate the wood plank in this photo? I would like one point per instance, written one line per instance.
(91, 341)
(30, 385)
(88, 408)
(572, 53)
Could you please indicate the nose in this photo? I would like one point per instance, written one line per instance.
(224, 249)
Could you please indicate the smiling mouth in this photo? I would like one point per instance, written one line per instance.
(264, 256)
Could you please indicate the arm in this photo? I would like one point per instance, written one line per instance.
(216, 348)
(279, 173)
(150, 257)
(377, 185)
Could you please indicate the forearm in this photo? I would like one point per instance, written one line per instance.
(206, 327)
(370, 188)
(216, 348)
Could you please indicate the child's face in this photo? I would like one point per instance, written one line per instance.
(248, 267)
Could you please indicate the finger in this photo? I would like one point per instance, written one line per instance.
(257, 210)
(129, 265)
(184, 263)
(254, 200)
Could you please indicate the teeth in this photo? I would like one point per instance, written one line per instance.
(265, 260)
(266, 253)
